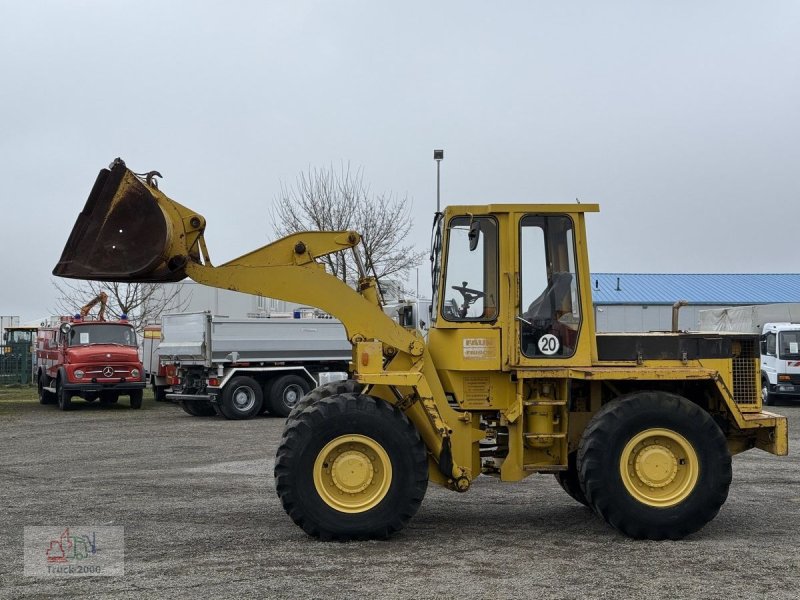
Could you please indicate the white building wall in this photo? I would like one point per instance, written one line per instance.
(195, 297)
(642, 317)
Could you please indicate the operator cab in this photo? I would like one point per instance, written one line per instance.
(516, 274)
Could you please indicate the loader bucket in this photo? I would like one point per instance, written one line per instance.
(123, 233)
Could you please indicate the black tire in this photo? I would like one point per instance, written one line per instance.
(569, 481)
(45, 397)
(345, 420)
(266, 389)
(767, 398)
(198, 409)
(699, 451)
(108, 398)
(64, 398)
(241, 398)
(159, 393)
(346, 386)
(286, 392)
(136, 398)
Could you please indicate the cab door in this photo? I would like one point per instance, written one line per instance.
(550, 313)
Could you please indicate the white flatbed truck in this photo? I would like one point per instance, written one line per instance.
(240, 368)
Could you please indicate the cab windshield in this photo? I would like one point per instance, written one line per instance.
(789, 344)
(471, 280)
(82, 335)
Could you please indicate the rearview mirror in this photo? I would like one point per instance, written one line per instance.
(474, 235)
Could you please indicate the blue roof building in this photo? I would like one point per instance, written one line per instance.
(643, 301)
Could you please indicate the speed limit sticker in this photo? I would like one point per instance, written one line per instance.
(549, 344)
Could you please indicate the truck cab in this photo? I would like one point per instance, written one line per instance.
(91, 360)
(780, 362)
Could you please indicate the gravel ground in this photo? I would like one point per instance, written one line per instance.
(196, 498)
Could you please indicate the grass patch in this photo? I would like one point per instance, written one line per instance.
(18, 393)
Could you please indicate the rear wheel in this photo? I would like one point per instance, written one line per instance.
(569, 482)
(351, 467)
(198, 409)
(241, 398)
(654, 465)
(136, 398)
(64, 398)
(285, 393)
(45, 397)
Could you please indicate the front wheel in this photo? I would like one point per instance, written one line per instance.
(351, 467)
(654, 465)
(344, 386)
(241, 398)
(63, 397)
(136, 398)
(767, 398)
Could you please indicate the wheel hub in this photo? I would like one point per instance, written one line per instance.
(243, 398)
(659, 467)
(352, 473)
(656, 466)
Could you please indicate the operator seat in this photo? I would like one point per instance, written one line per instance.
(544, 307)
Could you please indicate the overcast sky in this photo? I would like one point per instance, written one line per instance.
(679, 118)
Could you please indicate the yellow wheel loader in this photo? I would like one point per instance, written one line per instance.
(512, 379)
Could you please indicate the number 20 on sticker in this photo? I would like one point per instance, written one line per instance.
(548, 344)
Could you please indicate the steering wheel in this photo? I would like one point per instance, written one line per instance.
(470, 296)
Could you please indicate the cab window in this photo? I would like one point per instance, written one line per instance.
(549, 303)
(771, 338)
(471, 282)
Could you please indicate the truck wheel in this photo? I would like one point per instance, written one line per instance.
(767, 399)
(569, 482)
(351, 467)
(346, 386)
(63, 397)
(198, 409)
(45, 397)
(654, 465)
(241, 398)
(266, 390)
(159, 393)
(136, 398)
(286, 392)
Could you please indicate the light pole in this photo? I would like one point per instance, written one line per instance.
(438, 156)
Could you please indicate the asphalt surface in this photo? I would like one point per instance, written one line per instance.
(196, 498)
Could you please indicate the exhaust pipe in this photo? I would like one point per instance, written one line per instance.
(675, 312)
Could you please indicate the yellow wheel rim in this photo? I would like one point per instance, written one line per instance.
(352, 473)
(659, 467)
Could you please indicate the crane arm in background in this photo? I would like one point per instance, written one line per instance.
(102, 298)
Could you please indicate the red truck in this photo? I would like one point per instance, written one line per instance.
(91, 359)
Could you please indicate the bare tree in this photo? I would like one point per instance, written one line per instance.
(331, 200)
(142, 303)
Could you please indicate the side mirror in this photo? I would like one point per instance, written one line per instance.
(65, 328)
(474, 235)
(763, 345)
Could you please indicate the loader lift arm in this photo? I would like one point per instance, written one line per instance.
(130, 231)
